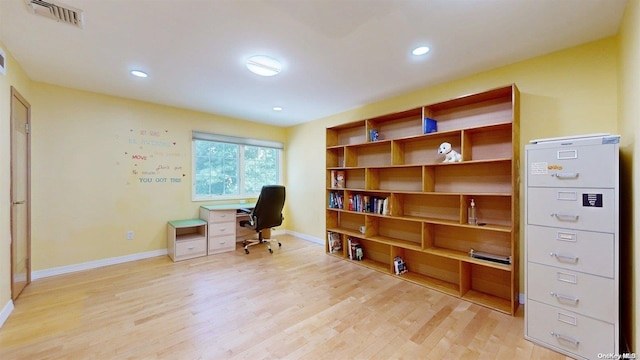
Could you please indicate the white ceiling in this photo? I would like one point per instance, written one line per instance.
(337, 54)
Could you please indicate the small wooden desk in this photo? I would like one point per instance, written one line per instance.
(224, 226)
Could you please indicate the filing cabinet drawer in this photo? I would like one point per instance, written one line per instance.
(188, 249)
(584, 209)
(220, 216)
(567, 166)
(570, 332)
(222, 229)
(573, 291)
(220, 244)
(589, 252)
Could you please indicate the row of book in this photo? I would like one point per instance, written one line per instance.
(360, 203)
(355, 249)
(336, 200)
(367, 203)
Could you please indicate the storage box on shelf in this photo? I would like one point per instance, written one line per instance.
(399, 199)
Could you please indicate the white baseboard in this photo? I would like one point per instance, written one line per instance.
(521, 298)
(95, 264)
(126, 258)
(6, 311)
(306, 237)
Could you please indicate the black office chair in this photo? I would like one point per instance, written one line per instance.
(266, 214)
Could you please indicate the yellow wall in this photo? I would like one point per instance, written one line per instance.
(89, 154)
(15, 77)
(629, 113)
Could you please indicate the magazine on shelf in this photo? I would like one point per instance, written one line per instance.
(335, 243)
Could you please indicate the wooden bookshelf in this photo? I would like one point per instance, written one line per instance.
(425, 221)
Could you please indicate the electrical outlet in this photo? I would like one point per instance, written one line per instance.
(130, 235)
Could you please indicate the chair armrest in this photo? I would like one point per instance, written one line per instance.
(246, 211)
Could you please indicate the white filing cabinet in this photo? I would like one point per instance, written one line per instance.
(572, 245)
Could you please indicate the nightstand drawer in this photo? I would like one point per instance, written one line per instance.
(589, 252)
(568, 331)
(188, 249)
(220, 244)
(222, 229)
(586, 294)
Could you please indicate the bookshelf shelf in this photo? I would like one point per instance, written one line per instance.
(398, 198)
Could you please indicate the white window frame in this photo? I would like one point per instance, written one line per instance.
(241, 142)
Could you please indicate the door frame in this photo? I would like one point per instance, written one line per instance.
(15, 96)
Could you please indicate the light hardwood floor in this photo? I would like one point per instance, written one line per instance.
(296, 304)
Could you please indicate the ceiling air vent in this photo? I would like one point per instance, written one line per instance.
(61, 13)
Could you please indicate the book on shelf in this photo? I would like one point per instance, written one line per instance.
(429, 125)
(336, 200)
(335, 242)
(340, 179)
(355, 249)
(374, 135)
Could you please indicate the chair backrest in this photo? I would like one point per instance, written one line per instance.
(268, 210)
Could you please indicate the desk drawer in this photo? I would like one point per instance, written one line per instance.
(570, 332)
(188, 249)
(584, 209)
(216, 216)
(218, 244)
(591, 295)
(222, 229)
(589, 252)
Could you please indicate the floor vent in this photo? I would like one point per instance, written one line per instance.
(61, 13)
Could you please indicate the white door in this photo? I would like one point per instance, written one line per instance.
(20, 195)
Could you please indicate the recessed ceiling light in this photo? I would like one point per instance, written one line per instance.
(264, 65)
(421, 50)
(139, 73)
(277, 108)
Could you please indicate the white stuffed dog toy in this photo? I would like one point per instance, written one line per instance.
(450, 155)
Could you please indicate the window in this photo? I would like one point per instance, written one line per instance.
(227, 167)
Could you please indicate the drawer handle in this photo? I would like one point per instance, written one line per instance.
(565, 338)
(222, 229)
(566, 175)
(572, 299)
(222, 242)
(564, 258)
(191, 247)
(565, 217)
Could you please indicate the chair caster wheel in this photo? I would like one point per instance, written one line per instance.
(246, 251)
(279, 245)
(270, 251)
